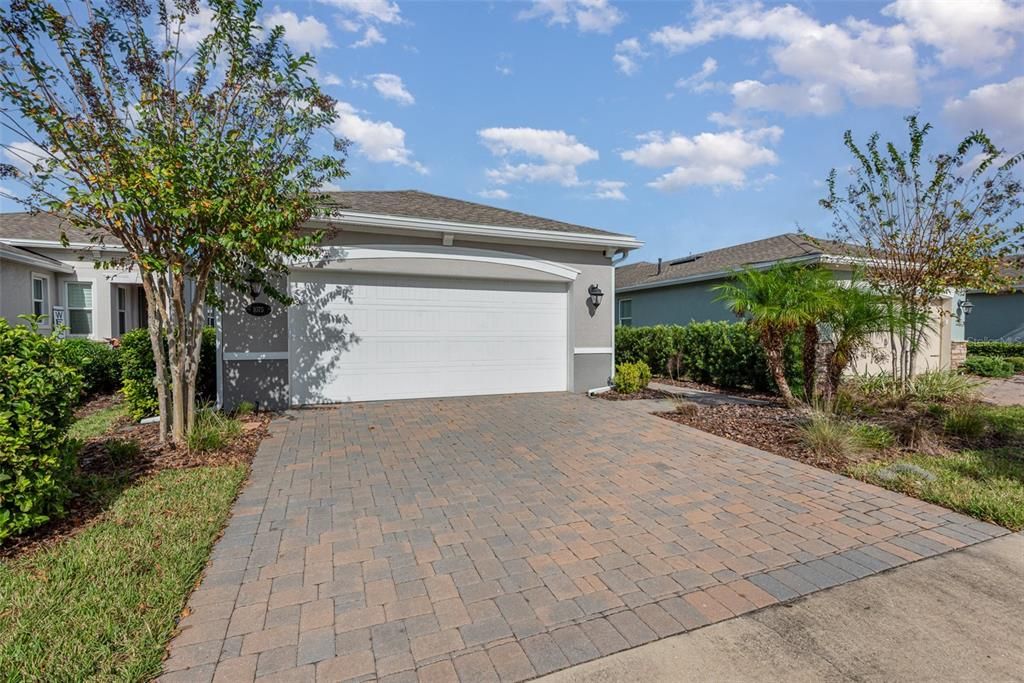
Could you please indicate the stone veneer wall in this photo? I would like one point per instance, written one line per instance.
(958, 354)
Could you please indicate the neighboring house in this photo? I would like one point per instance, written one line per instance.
(416, 295)
(412, 295)
(999, 316)
(680, 291)
(40, 276)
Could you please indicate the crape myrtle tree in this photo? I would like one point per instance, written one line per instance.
(197, 156)
(927, 226)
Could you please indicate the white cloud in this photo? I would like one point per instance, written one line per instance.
(969, 34)
(698, 82)
(553, 155)
(380, 141)
(366, 16)
(867, 64)
(713, 159)
(810, 98)
(598, 16)
(196, 26)
(503, 70)
(555, 146)
(371, 37)
(496, 193)
(390, 87)
(997, 108)
(627, 56)
(304, 35)
(25, 156)
(369, 10)
(609, 189)
(331, 79)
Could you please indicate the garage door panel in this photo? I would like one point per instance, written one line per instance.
(421, 337)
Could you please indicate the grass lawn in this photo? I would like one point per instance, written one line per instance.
(97, 423)
(987, 484)
(101, 604)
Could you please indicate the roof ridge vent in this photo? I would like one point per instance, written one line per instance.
(686, 259)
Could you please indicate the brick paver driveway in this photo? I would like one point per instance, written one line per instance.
(506, 537)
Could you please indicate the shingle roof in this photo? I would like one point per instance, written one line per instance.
(416, 204)
(786, 246)
(406, 203)
(40, 226)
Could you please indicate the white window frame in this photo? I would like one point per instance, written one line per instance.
(121, 309)
(622, 320)
(68, 308)
(45, 300)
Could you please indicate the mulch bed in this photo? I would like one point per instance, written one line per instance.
(153, 457)
(772, 428)
(642, 394)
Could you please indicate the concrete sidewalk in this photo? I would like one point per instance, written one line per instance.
(954, 617)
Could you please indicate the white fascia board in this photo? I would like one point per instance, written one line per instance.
(719, 273)
(51, 244)
(475, 230)
(33, 260)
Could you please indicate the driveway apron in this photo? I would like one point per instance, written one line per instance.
(505, 537)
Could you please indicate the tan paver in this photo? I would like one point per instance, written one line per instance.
(510, 536)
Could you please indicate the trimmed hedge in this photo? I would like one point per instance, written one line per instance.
(138, 372)
(723, 354)
(38, 392)
(98, 362)
(988, 366)
(995, 348)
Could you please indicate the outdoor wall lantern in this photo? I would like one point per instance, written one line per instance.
(965, 307)
(595, 295)
(255, 288)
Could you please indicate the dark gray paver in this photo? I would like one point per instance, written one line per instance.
(511, 536)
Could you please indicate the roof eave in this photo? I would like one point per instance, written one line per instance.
(10, 252)
(715, 275)
(620, 242)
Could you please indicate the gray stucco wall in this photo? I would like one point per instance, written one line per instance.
(676, 305)
(590, 329)
(16, 290)
(996, 316)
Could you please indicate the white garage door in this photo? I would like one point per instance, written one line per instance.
(375, 337)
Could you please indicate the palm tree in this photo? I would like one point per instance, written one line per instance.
(815, 291)
(859, 314)
(772, 306)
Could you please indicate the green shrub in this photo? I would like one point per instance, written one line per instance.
(98, 363)
(987, 366)
(38, 392)
(245, 408)
(828, 437)
(995, 348)
(138, 372)
(966, 421)
(631, 377)
(872, 436)
(1017, 362)
(943, 386)
(212, 430)
(724, 354)
(937, 386)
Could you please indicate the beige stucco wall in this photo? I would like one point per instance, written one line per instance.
(591, 331)
(935, 352)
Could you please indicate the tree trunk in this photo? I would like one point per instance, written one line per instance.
(810, 353)
(774, 349)
(156, 335)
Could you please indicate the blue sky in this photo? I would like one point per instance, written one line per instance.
(690, 126)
